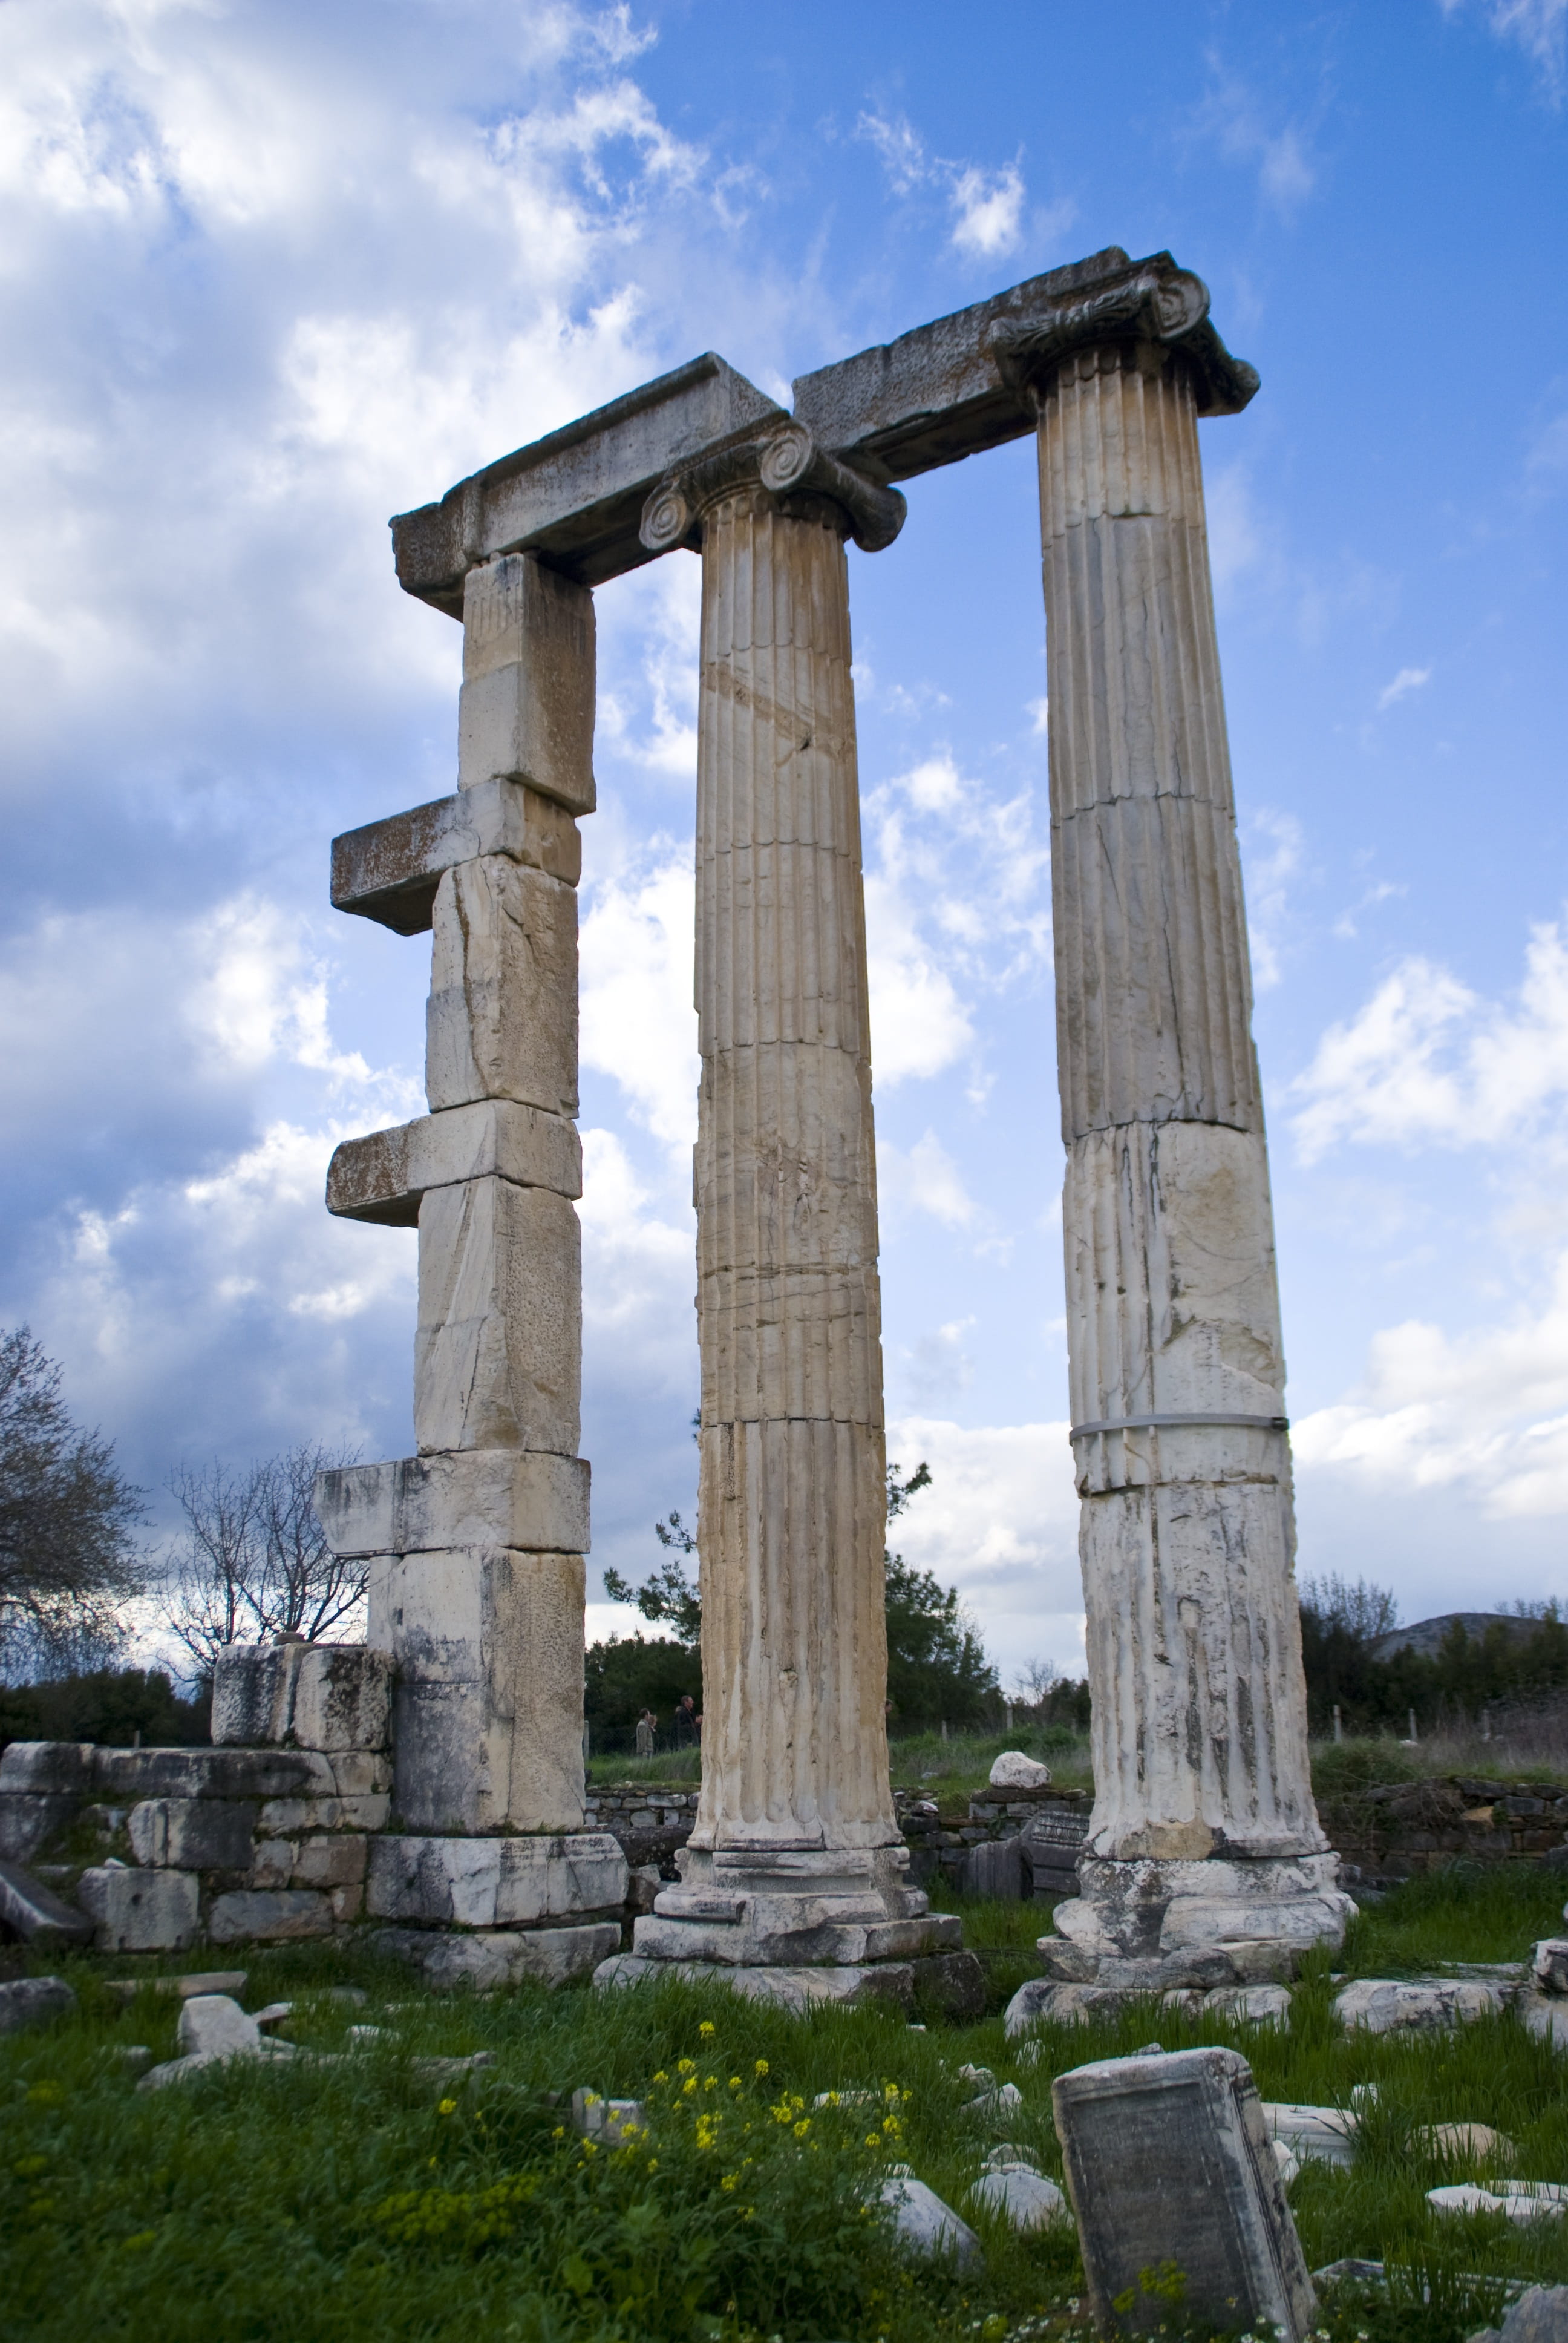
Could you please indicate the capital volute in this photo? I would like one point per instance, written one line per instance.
(1150, 301)
(786, 463)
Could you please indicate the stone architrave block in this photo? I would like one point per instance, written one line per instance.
(47, 1768)
(504, 1956)
(497, 1356)
(28, 1822)
(501, 1020)
(125, 1776)
(36, 1914)
(526, 710)
(383, 1176)
(342, 1698)
(193, 1834)
(141, 1911)
(27, 2002)
(390, 870)
(487, 1711)
(531, 1499)
(253, 1693)
(1168, 2160)
(488, 1882)
(270, 1916)
(577, 494)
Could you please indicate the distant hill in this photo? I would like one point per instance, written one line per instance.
(1425, 1636)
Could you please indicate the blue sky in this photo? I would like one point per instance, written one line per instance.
(274, 272)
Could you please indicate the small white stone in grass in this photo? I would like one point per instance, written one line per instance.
(1005, 2100)
(922, 2221)
(274, 2013)
(1521, 2201)
(1023, 2198)
(999, 2159)
(981, 2077)
(846, 2099)
(1289, 2167)
(1013, 1770)
(370, 2033)
(213, 2026)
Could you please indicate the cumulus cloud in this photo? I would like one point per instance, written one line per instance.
(1238, 121)
(1000, 1521)
(987, 206)
(924, 1180)
(1483, 1413)
(637, 1023)
(1429, 1062)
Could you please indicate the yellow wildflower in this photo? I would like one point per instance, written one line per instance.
(735, 2082)
(802, 2127)
(761, 2068)
(686, 2066)
(706, 2027)
(661, 2076)
(710, 2082)
(448, 2108)
(688, 2088)
(560, 2132)
(728, 2179)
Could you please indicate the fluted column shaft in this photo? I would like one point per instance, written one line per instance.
(793, 1492)
(1186, 1534)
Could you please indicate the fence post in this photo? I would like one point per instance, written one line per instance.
(1338, 1728)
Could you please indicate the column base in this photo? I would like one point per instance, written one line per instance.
(1154, 1926)
(491, 1911)
(796, 1925)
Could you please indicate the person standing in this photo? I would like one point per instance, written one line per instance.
(646, 1732)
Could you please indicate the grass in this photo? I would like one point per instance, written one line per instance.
(306, 2202)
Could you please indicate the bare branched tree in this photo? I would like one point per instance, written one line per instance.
(252, 1563)
(67, 1518)
(1033, 1680)
(1364, 1610)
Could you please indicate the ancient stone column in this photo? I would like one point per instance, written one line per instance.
(1206, 1863)
(796, 1857)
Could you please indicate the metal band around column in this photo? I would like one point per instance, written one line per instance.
(1163, 1422)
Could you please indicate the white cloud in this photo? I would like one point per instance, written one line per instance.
(924, 1180)
(988, 205)
(1000, 1522)
(1408, 680)
(1237, 119)
(1273, 843)
(919, 1025)
(638, 1021)
(1483, 1413)
(1427, 1061)
(1539, 27)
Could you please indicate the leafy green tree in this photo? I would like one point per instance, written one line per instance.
(68, 1558)
(107, 1705)
(668, 1594)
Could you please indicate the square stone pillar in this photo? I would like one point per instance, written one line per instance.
(477, 1587)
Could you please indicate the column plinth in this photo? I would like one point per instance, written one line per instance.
(1205, 1862)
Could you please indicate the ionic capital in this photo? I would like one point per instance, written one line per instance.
(1149, 300)
(786, 463)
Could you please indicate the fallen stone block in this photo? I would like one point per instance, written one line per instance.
(1323, 2135)
(29, 1820)
(1249, 2004)
(925, 2225)
(270, 1916)
(214, 2025)
(1549, 1965)
(34, 1914)
(1540, 2316)
(26, 2001)
(1169, 2162)
(1390, 2005)
(994, 2105)
(447, 2070)
(1519, 2200)
(1022, 2197)
(193, 1834)
(611, 2120)
(796, 1990)
(1013, 1770)
(1468, 2143)
(487, 1882)
(953, 1984)
(503, 1956)
(1545, 2016)
(232, 1981)
(141, 1911)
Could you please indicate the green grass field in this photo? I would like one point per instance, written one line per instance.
(352, 2197)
